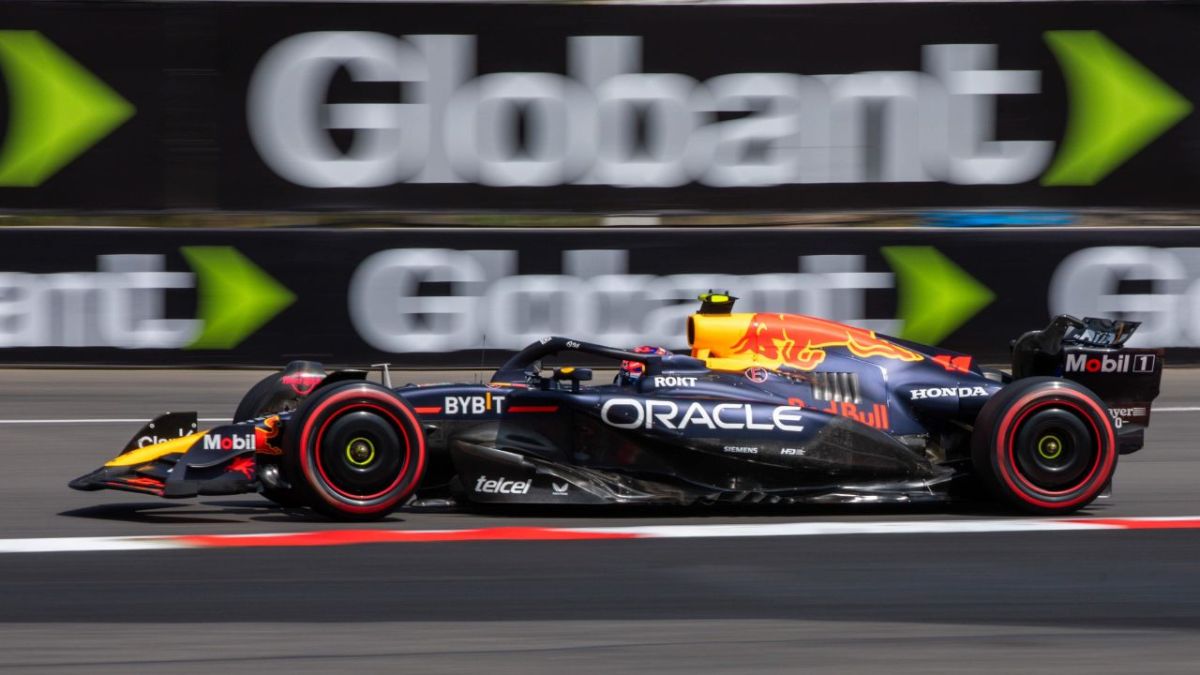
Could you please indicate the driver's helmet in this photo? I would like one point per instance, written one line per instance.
(632, 370)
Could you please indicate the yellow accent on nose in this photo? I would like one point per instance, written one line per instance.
(568, 369)
(153, 452)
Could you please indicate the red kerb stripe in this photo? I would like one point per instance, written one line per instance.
(349, 537)
(1144, 523)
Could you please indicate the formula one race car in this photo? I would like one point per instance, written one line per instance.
(770, 408)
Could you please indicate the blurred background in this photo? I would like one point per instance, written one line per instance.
(227, 186)
(233, 183)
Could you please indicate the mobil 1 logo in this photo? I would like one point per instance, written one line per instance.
(1137, 363)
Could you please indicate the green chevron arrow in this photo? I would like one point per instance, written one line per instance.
(1118, 107)
(58, 109)
(236, 296)
(936, 296)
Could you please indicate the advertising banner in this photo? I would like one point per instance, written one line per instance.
(467, 298)
(426, 107)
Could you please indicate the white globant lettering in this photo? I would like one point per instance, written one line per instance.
(853, 99)
(524, 307)
(387, 310)
(788, 110)
(605, 122)
(1086, 284)
(451, 62)
(19, 309)
(559, 115)
(120, 305)
(488, 305)
(134, 303)
(610, 300)
(289, 119)
(666, 104)
(967, 75)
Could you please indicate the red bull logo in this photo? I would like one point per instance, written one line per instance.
(802, 341)
(877, 417)
(266, 436)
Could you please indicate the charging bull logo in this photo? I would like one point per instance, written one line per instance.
(802, 341)
(266, 436)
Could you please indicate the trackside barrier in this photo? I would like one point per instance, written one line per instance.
(457, 298)
(409, 106)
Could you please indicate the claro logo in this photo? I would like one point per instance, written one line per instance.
(607, 123)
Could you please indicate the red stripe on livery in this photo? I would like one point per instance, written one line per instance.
(533, 409)
(428, 410)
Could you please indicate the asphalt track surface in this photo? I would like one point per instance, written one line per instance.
(1101, 602)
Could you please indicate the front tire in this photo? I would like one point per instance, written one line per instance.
(359, 449)
(1045, 446)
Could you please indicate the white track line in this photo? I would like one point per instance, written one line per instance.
(532, 533)
(83, 544)
(130, 420)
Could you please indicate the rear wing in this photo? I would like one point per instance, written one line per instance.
(1092, 352)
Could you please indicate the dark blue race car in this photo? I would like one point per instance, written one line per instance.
(767, 408)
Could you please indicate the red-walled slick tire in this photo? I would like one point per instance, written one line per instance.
(359, 448)
(1045, 445)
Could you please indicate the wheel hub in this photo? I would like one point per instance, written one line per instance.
(1049, 446)
(360, 451)
(1054, 448)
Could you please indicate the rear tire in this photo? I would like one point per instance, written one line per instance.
(359, 449)
(1045, 446)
